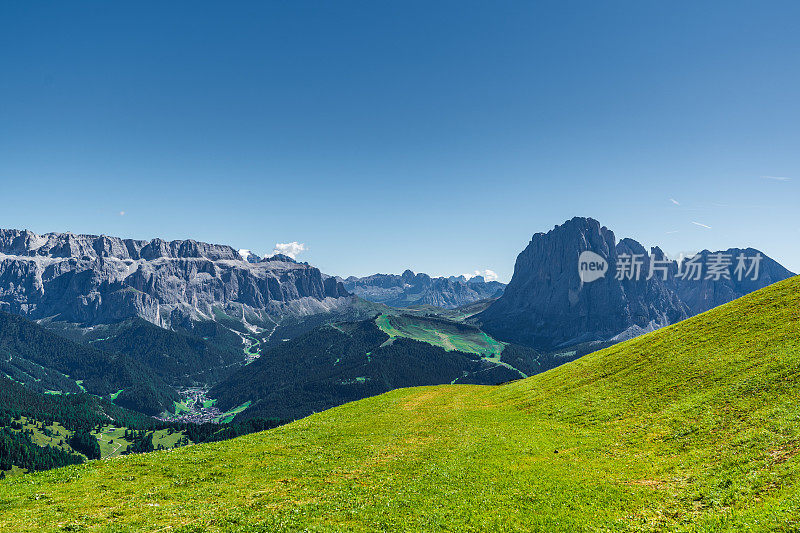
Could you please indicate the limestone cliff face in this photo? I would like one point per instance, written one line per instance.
(97, 279)
(548, 306)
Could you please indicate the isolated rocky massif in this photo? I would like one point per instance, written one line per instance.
(91, 279)
(547, 306)
(410, 289)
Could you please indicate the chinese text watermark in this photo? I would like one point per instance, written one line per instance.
(714, 267)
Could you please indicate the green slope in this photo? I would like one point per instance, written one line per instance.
(447, 334)
(693, 427)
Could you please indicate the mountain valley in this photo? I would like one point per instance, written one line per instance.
(690, 427)
(204, 346)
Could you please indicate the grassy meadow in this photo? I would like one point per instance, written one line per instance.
(446, 334)
(695, 427)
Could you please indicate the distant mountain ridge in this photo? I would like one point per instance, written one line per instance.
(548, 306)
(144, 322)
(99, 279)
(410, 289)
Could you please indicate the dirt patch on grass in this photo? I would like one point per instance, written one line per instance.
(418, 399)
(658, 484)
(446, 342)
(653, 483)
(781, 454)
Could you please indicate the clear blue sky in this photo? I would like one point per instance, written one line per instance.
(437, 136)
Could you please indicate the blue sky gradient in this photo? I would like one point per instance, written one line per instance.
(436, 136)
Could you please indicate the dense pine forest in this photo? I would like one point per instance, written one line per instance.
(342, 362)
(44, 361)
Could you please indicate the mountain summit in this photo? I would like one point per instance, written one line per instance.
(549, 305)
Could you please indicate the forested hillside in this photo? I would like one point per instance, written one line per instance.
(44, 361)
(42, 431)
(176, 357)
(347, 361)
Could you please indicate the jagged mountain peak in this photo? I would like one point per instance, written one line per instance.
(280, 257)
(548, 305)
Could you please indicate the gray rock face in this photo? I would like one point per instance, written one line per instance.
(97, 279)
(547, 305)
(410, 289)
(702, 295)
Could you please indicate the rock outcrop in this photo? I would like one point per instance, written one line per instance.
(98, 279)
(548, 305)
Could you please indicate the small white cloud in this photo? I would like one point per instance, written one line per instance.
(671, 232)
(674, 201)
(776, 178)
(701, 225)
(488, 275)
(122, 213)
(291, 249)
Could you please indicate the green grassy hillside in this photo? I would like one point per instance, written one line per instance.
(446, 334)
(111, 438)
(694, 427)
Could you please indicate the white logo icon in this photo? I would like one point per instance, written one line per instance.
(591, 266)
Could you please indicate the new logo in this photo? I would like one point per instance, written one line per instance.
(591, 266)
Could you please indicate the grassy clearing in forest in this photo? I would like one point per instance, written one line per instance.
(446, 334)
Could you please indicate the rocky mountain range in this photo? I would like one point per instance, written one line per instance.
(87, 279)
(410, 289)
(90, 279)
(549, 305)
